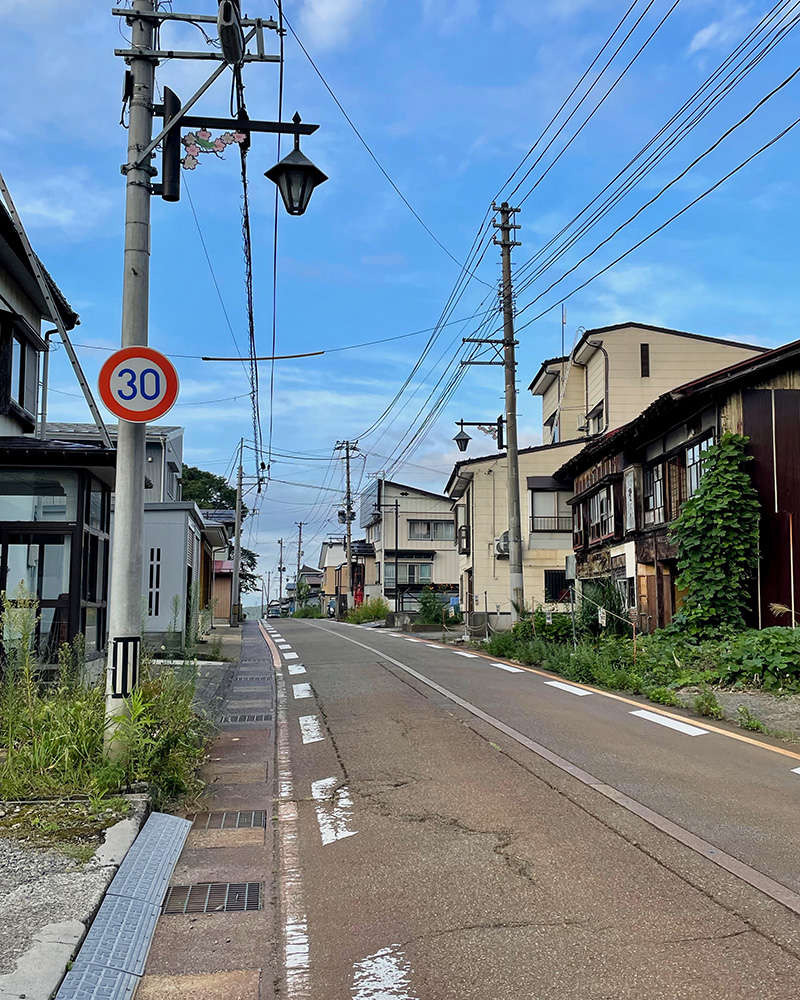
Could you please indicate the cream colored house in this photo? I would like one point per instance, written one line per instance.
(413, 535)
(612, 374)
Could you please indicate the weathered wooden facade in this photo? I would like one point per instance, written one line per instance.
(631, 485)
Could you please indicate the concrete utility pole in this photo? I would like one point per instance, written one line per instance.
(281, 568)
(299, 555)
(236, 600)
(515, 580)
(125, 592)
(348, 446)
(269, 587)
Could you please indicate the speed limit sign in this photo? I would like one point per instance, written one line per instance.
(138, 384)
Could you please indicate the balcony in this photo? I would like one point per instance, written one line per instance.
(562, 522)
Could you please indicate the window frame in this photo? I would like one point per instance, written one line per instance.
(653, 494)
(693, 462)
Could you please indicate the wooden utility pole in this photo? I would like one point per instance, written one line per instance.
(299, 556)
(515, 579)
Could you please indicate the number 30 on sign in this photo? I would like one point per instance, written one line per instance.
(138, 384)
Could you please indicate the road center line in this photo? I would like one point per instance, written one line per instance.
(758, 880)
(568, 687)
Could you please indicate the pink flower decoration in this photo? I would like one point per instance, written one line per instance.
(219, 145)
(193, 150)
(189, 162)
(204, 134)
(239, 136)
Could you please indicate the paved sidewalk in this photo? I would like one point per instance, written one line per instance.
(227, 951)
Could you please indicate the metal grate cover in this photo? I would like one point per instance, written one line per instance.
(249, 819)
(255, 677)
(213, 897)
(229, 719)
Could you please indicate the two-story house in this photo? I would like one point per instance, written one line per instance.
(54, 496)
(413, 534)
(610, 376)
(631, 485)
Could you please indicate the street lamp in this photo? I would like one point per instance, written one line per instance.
(462, 439)
(296, 177)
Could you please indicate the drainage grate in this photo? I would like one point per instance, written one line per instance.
(213, 897)
(253, 677)
(250, 819)
(229, 719)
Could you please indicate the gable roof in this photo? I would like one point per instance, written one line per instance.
(457, 468)
(15, 261)
(613, 328)
(683, 400)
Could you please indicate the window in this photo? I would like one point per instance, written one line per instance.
(36, 495)
(377, 572)
(154, 584)
(410, 573)
(578, 526)
(555, 586)
(17, 370)
(596, 422)
(694, 463)
(24, 374)
(549, 511)
(601, 515)
(437, 531)
(653, 491)
(644, 358)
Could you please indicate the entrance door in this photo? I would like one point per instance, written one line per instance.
(39, 565)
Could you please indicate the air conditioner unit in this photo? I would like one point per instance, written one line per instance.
(501, 545)
(583, 423)
(462, 539)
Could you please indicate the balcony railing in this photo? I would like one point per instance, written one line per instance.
(563, 522)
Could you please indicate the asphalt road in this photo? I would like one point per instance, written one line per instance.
(428, 852)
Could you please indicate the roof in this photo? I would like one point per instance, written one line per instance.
(411, 489)
(32, 452)
(15, 261)
(543, 372)
(683, 399)
(90, 430)
(456, 473)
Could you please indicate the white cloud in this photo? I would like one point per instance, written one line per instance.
(68, 202)
(328, 23)
(449, 15)
(725, 30)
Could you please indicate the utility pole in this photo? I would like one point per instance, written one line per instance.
(269, 587)
(281, 568)
(515, 579)
(348, 446)
(125, 592)
(299, 555)
(237, 547)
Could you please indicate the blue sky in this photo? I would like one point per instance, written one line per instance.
(450, 95)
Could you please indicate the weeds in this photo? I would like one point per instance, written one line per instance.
(375, 609)
(748, 721)
(705, 703)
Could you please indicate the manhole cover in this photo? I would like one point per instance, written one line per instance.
(232, 719)
(213, 897)
(248, 819)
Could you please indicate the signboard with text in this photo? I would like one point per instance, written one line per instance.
(138, 384)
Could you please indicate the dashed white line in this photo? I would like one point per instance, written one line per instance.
(459, 652)
(796, 770)
(296, 668)
(663, 720)
(432, 645)
(383, 976)
(302, 691)
(334, 809)
(505, 666)
(290, 656)
(409, 639)
(311, 729)
(568, 687)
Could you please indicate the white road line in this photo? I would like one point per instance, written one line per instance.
(409, 639)
(334, 808)
(296, 668)
(568, 687)
(311, 729)
(432, 645)
(511, 670)
(295, 920)
(663, 720)
(796, 770)
(290, 656)
(383, 976)
(284, 645)
(302, 691)
(472, 656)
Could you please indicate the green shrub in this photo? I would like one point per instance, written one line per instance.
(307, 612)
(769, 658)
(373, 610)
(433, 608)
(559, 629)
(706, 703)
(748, 721)
(662, 696)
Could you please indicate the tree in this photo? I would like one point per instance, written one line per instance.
(208, 490)
(248, 580)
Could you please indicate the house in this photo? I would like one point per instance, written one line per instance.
(611, 375)
(630, 484)
(181, 543)
(311, 576)
(54, 496)
(412, 532)
(335, 582)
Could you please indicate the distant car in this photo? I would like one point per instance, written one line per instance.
(274, 611)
